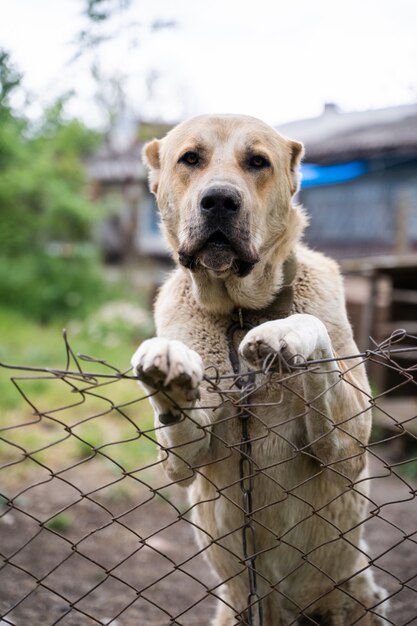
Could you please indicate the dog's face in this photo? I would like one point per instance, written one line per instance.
(224, 186)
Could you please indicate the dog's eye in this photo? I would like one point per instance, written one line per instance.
(190, 158)
(258, 161)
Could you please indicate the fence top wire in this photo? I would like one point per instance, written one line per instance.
(149, 526)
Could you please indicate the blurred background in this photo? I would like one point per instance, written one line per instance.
(84, 83)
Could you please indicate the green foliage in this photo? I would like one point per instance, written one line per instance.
(47, 288)
(44, 205)
(43, 193)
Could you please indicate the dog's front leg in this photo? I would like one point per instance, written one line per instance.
(172, 373)
(337, 405)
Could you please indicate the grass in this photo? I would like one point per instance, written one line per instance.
(54, 422)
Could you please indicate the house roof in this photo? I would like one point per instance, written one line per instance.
(120, 158)
(336, 136)
(108, 166)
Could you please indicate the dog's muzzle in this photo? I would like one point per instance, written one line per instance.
(221, 241)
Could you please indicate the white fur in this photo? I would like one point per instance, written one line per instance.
(308, 428)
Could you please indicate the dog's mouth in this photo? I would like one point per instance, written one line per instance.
(220, 254)
(218, 239)
(217, 253)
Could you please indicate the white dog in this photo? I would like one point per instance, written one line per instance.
(224, 186)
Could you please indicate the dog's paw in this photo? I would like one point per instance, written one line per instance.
(168, 365)
(297, 338)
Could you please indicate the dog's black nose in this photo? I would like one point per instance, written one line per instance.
(220, 200)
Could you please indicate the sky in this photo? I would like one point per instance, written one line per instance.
(275, 60)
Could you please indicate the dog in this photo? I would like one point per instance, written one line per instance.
(225, 188)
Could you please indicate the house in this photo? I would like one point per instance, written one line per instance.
(360, 180)
(118, 178)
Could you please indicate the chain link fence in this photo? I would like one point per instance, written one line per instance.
(93, 532)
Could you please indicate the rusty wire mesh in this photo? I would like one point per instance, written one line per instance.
(93, 532)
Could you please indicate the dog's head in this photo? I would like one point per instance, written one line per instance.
(224, 186)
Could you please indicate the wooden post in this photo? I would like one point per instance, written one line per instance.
(402, 242)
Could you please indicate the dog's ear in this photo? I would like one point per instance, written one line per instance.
(296, 154)
(150, 156)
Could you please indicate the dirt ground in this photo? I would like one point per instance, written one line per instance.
(86, 569)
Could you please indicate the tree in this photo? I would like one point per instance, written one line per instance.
(106, 21)
(42, 181)
(43, 200)
(10, 79)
